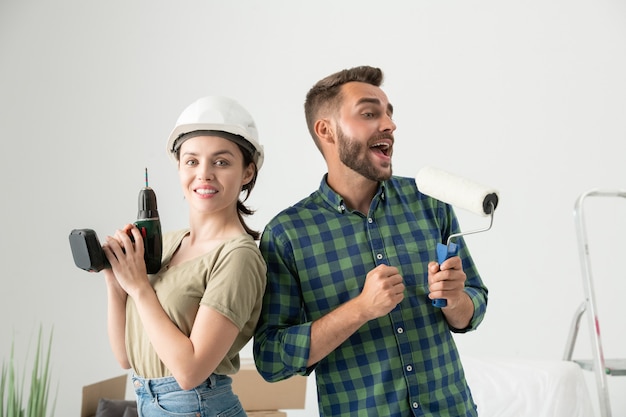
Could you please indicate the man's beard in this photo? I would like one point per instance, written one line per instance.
(354, 155)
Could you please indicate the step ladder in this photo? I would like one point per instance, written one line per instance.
(601, 367)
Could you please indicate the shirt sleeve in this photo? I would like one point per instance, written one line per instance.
(282, 339)
(478, 295)
(235, 285)
(474, 286)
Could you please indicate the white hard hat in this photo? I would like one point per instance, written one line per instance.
(219, 114)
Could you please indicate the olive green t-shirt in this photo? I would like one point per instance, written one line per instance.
(230, 279)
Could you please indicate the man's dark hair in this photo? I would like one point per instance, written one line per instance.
(325, 95)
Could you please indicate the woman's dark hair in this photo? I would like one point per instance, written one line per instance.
(242, 209)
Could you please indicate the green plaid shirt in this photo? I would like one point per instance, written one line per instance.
(318, 253)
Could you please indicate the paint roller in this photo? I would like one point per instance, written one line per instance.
(458, 192)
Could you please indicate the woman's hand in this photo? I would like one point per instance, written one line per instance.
(126, 257)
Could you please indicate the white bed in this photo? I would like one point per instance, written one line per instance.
(504, 387)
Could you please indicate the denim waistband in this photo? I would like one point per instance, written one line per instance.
(154, 386)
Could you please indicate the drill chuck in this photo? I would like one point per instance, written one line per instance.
(149, 225)
(147, 204)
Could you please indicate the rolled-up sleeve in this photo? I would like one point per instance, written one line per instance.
(475, 289)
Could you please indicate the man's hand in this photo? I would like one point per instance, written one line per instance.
(382, 292)
(448, 281)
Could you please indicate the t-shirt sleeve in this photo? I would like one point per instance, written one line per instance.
(236, 283)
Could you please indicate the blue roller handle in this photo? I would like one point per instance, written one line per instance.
(444, 252)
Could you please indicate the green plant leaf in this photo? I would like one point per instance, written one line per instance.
(13, 387)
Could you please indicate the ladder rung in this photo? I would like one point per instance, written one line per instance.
(615, 367)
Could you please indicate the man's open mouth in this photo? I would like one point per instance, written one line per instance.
(381, 147)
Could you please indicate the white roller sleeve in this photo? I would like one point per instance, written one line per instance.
(457, 191)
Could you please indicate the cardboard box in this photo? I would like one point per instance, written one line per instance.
(256, 394)
(113, 389)
(258, 397)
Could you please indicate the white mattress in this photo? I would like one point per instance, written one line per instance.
(515, 387)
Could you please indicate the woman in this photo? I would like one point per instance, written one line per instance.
(181, 330)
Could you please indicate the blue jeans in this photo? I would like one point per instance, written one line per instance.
(160, 397)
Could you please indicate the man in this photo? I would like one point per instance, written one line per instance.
(351, 274)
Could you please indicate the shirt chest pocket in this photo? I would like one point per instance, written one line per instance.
(412, 260)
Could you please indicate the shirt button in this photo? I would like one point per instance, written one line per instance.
(379, 256)
(409, 368)
(370, 220)
(415, 405)
(400, 330)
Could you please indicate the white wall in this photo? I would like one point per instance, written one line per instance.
(526, 96)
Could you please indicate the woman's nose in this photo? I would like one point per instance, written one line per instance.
(206, 175)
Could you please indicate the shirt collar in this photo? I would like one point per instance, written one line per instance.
(336, 201)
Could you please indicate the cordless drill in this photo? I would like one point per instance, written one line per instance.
(87, 251)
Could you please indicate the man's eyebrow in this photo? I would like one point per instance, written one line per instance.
(376, 101)
(371, 100)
